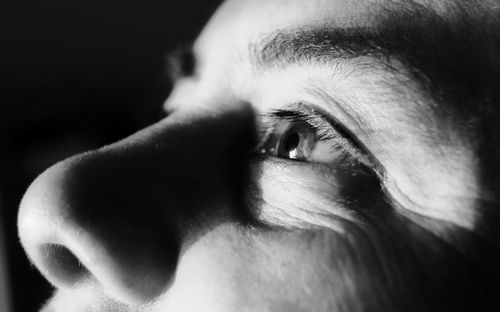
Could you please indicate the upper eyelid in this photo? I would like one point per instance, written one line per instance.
(298, 112)
(310, 109)
(312, 113)
(369, 159)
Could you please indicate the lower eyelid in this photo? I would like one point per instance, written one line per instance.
(326, 187)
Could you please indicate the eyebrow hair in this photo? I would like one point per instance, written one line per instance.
(314, 45)
(450, 56)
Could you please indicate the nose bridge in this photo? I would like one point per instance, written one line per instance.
(119, 215)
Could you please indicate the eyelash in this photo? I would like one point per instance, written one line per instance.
(324, 129)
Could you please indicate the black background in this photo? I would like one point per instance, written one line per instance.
(75, 75)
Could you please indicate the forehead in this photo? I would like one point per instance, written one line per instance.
(238, 22)
(259, 15)
(223, 49)
(243, 19)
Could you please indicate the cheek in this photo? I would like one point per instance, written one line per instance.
(336, 237)
(235, 269)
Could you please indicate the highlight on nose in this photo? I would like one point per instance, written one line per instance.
(41, 232)
(73, 240)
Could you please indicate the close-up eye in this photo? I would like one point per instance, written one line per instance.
(297, 141)
(303, 133)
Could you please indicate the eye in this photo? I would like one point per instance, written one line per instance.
(297, 141)
(306, 134)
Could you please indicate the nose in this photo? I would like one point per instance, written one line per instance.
(120, 215)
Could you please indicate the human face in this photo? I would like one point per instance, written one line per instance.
(306, 164)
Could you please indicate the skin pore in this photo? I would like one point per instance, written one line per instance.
(315, 159)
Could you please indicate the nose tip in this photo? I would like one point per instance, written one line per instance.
(74, 240)
(118, 216)
(41, 232)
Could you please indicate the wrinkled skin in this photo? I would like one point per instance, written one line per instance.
(183, 216)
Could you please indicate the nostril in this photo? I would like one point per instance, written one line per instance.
(86, 223)
(62, 264)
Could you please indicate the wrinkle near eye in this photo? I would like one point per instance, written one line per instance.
(427, 168)
(303, 195)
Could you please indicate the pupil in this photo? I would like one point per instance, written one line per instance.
(292, 141)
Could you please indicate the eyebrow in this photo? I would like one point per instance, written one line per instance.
(452, 58)
(316, 45)
(448, 56)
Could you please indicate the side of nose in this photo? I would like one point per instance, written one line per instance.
(119, 215)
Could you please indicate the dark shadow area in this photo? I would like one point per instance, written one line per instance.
(75, 76)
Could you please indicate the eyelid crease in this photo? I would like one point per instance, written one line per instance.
(323, 131)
